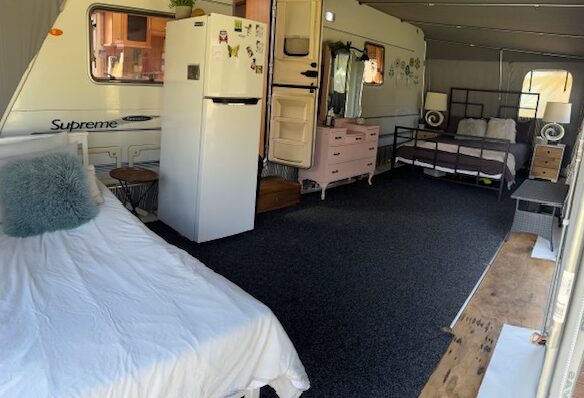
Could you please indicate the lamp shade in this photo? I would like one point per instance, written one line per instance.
(436, 102)
(557, 112)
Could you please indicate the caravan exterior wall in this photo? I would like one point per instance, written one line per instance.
(59, 93)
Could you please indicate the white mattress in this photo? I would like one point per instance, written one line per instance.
(111, 310)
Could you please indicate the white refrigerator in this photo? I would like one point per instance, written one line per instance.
(213, 87)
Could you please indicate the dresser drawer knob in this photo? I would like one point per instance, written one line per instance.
(373, 134)
(369, 164)
(358, 139)
(338, 137)
(336, 154)
(335, 171)
(371, 148)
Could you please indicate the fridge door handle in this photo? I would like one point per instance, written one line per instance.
(235, 101)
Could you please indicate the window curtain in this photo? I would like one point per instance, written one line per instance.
(23, 28)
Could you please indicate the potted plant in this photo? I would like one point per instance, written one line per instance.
(183, 8)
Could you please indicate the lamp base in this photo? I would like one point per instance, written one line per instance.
(552, 132)
(434, 118)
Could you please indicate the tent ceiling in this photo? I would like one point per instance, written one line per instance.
(536, 26)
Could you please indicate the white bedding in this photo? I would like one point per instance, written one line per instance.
(111, 310)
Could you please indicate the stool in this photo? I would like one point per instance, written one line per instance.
(541, 194)
(134, 175)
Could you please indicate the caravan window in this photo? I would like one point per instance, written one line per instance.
(127, 46)
(374, 67)
(552, 85)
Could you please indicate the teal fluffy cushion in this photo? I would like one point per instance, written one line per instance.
(44, 194)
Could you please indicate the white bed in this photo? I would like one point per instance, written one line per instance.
(111, 310)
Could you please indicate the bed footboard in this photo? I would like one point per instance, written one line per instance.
(471, 164)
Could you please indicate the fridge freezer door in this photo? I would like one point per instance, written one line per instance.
(228, 169)
(236, 50)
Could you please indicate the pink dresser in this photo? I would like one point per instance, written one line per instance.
(341, 153)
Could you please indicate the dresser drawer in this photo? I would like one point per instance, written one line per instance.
(371, 132)
(544, 172)
(337, 137)
(350, 169)
(547, 162)
(372, 136)
(547, 151)
(354, 138)
(346, 153)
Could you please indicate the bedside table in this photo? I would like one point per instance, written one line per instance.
(425, 135)
(546, 162)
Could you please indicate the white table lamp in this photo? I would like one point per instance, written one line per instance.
(554, 114)
(435, 104)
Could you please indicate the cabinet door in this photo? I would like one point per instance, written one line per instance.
(297, 47)
(292, 126)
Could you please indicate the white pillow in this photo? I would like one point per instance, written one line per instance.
(11, 147)
(472, 127)
(67, 148)
(502, 128)
(93, 187)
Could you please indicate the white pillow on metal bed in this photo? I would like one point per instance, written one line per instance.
(471, 127)
(502, 128)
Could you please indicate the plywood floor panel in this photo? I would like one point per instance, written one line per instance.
(513, 291)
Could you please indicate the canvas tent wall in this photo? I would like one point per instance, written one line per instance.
(442, 74)
(23, 28)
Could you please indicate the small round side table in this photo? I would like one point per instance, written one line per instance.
(134, 175)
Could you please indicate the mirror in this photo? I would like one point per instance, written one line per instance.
(345, 80)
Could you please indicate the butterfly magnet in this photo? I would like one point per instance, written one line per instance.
(233, 51)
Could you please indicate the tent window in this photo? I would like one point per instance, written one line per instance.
(552, 85)
(374, 67)
(127, 46)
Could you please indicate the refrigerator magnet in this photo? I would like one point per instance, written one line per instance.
(253, 64)
(259, 69)
(259, 31)
(233, 51)
(238, 25)
(218, 52)
(249, 51)
(223, 36)
(248, 29)
(259, 47)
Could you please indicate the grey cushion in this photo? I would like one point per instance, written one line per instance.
(44, 194)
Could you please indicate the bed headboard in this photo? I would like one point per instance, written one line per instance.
(482, 104)
(81, 140)
(73, 138)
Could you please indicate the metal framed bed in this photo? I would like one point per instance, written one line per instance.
(490, 156)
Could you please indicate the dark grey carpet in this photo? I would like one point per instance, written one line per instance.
(363, 281)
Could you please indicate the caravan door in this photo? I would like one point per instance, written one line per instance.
(297, 46)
